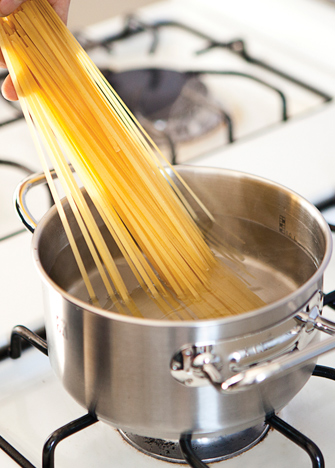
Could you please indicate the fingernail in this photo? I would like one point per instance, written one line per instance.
(8, 6)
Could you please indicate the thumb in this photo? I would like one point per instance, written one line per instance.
(8, 6)
(8, 89)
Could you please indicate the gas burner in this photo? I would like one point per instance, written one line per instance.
(173, 107)
(228, 92)
(208, 449)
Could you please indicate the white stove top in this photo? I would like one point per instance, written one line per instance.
(299, 154)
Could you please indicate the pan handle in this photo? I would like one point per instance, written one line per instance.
(20, 194)
(20, 198)
(202, 364)
(259, 373)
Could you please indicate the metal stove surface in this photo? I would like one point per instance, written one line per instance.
(298, 154)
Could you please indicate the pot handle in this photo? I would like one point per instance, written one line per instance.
(259, 373)
(20, 198)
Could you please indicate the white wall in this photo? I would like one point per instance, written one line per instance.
(85, 12)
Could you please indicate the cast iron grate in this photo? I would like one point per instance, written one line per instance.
(23, 337)
(326, 206)
(134, 26)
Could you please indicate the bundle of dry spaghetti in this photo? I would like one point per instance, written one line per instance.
(76, 118)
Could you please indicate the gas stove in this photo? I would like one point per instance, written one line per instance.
(257, 82)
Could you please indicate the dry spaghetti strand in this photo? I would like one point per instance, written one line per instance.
(80, 120)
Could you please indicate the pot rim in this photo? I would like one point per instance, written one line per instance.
(226, 321)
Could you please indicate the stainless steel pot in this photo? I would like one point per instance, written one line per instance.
(162, 378)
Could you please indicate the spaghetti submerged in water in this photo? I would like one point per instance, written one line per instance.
(76, 118)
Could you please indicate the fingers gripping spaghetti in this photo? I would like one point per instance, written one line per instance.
(76, 118)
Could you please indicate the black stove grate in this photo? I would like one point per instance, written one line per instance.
(298, 438)
(21, 337)
(134, 26)
(61, 434)
(326, 206)
(279, 425)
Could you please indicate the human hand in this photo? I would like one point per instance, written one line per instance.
(61, 7)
